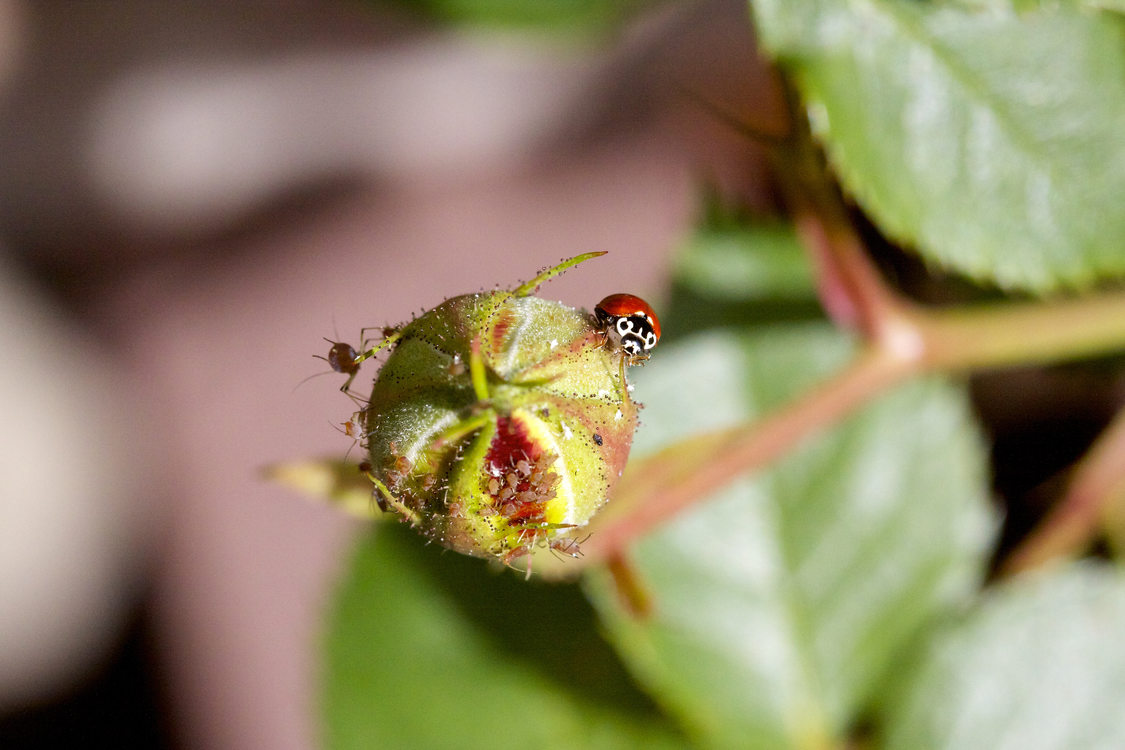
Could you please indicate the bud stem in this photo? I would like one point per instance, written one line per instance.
(461, 429)
(476, 371)
(550, 273)
(393, 501)
(383, 344)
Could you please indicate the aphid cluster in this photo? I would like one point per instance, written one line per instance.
(500, 421)
(522, 482)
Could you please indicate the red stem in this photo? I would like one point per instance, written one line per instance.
(660, 494)
(1068, 529)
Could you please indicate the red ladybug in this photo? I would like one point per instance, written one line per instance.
(629, 322)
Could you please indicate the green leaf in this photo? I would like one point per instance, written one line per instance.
(432, 650)
(781, 604)
(746, 262)
(1117, 6)
(1040, 665)
(728, 273)
(588, 16)
(989, 139)
(338, 482)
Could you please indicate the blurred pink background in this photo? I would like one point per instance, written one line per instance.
(192, 195)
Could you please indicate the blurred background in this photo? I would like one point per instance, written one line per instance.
(192, 195)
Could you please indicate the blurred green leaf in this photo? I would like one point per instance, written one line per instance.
(1040, 665)
(729, 272)
(548, 15)
(433, 650)
(746, 262)
(781, 604)
(337, 482)
(1117, 6)
(990, 139)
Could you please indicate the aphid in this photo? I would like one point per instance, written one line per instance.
(352, 428)
(629, 323)
(343, 357)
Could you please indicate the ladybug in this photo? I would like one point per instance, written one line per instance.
(629, 322)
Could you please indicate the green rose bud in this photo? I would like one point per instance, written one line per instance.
(500, 421)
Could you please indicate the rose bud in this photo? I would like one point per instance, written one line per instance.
(500, 421)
